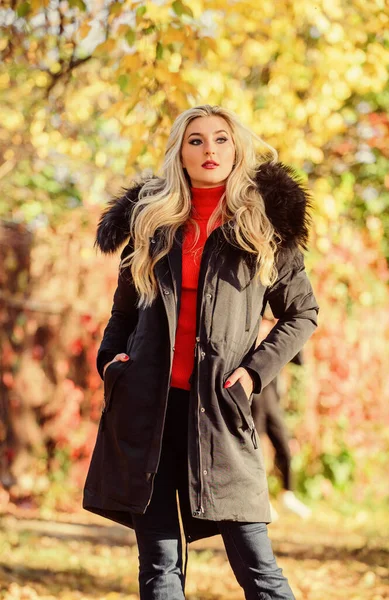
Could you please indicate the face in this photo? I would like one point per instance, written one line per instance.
(208, 139)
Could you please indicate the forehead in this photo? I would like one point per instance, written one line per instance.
(207, 125)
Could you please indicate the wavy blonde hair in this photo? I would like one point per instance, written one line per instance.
(165, 202)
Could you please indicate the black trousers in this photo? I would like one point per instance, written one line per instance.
(158, 533)
(268, 418)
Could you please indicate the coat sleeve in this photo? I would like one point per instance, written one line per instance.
(294, 305)
(123, 320)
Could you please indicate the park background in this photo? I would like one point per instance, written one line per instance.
(88, 92)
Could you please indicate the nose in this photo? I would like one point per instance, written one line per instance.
(208, 147)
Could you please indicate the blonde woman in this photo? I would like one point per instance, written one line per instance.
(208, 244)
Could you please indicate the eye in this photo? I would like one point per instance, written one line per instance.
(194, 141)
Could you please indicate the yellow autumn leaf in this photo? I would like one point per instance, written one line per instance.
(84, 30)
(158, 13)
(105, 48)
(130, 62)
(175, 62)
(122, 30)
(173, 35)
(37, 5)
(114, 109)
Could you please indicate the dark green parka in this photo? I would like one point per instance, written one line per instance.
(227, 480)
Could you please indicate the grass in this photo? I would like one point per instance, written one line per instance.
(333, 555)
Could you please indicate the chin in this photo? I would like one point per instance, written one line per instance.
(212, 179)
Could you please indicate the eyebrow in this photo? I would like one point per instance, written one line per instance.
(219, 131)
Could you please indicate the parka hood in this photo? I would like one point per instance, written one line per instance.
(287, 203)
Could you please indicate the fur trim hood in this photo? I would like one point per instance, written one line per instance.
(287, 203)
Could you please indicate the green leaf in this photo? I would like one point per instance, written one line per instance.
(181, 9)
(116, 8)
(159, 51)
(123, 82)
(23, 9)
(77, 4)
(178, 7)
(140, 11)
(149, 29)
(130, 37)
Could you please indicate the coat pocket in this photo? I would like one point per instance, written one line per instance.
(112, 374)
(239, 396)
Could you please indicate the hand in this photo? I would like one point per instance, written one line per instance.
(122, 357)
(245, 380)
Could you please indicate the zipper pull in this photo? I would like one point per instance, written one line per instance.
(198, 511)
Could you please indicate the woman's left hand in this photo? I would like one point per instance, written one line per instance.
(244, 378)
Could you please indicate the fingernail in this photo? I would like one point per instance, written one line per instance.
(227, 384)
(126, 357)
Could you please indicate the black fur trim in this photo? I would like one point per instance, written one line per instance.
(113, 228)
(287, 204)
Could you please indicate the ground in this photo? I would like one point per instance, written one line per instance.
(85, 557)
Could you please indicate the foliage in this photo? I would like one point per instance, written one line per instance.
(90, 89)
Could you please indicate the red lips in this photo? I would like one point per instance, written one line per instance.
(210, 163)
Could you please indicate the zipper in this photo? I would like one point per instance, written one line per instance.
(204, 265)
(200, 509)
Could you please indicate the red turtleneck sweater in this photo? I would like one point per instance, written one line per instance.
(204, 200)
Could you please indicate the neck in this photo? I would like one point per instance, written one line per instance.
(205, 200)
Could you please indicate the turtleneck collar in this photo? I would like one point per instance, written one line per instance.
(205, 200)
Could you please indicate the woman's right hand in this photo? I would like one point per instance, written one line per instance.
(122, 357)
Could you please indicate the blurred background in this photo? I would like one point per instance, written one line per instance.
(88, 93)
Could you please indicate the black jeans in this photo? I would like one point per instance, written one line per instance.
(158, 531)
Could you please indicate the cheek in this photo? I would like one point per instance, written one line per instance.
(189, 154)
(229, 154)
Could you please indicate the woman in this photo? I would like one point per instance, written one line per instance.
(209, 244)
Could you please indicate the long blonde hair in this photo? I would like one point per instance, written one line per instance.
(165, 202)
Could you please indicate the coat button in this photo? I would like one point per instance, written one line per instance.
(166, 292)
(205, 472)
(202, 354)
(208, 295)
(202, 409)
